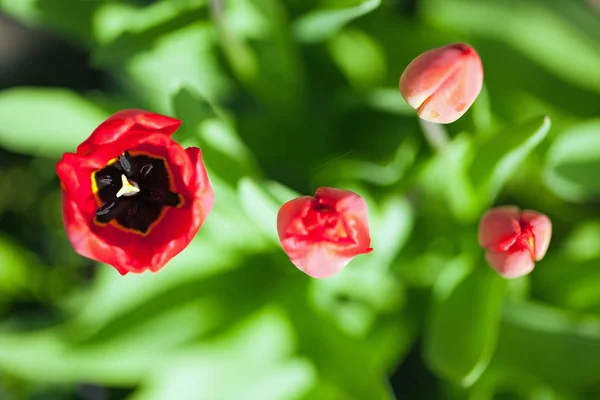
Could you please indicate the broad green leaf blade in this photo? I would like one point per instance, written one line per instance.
(445, 178)
(260, 206)
(554, 345)
(180, 57)
(124, 30)
(46, 122)
(498, 159)
(482, 112)
(360, 58)
(256, 38)
(339, 359)
(46, 355)
(389, 100)
(370, 172)
(462, 332)
(255, 360)
(320, 24)
(573, 162)
(222, 149)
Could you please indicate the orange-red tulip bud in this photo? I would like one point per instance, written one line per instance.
(322, 234)
(514, 239)
(442, 83)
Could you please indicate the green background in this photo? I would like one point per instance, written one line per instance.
(284, 97)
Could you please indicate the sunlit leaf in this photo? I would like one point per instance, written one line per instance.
(497, 160)
(573, 162)
(321, 24)
(552, 344)
(257, 352)
(256, 38)
(123, 30)
(261, 207)
(222, 149)
(359, 57)
(46, 122)
(182, 57)
(461, 336)
(338, 358)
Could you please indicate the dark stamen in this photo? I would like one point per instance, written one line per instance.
(125, 164)
(105, 208)
(145, 170)
(106, 180)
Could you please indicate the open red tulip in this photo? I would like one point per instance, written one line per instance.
(441, 84)
(514, 239)
(132, 197)
(322, 234)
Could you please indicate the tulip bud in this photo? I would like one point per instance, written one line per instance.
(514, 239)
(442, 83)
(322, 234)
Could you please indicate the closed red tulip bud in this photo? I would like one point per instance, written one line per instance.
(441, 84)
(322, 234)
(514, 239)
(132, 196)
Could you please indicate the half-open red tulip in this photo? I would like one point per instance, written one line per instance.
(442, 83)
(132, 197)
(322, 234)
(514, 239)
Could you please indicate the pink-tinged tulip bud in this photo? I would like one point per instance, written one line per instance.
(441, 84)
(322, 234)
(514, 239)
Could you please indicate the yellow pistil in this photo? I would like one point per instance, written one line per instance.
(127, 188)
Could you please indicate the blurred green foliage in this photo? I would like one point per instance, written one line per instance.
(283, 97)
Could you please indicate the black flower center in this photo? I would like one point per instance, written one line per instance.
(134, 191)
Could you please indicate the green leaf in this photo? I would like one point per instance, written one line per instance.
(256, 39)
(261, 206)
(482, 113)
(18, 270)
(73, 17)
(370, 172)
(498, 159)
(320, 24)
(45, 122)
(445, 178)
(573, 162)
(257, 356)
(554, 345)
(339, 359)
(124, 30)
(180, 57)
(359, 57)
(24, 10)
(388, 99)
(462, 332)
(222, 149)
(392, 228)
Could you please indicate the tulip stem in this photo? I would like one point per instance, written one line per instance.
(435, 135)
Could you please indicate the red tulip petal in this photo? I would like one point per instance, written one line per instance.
(542, 231)
(289, 217)
(121, 125)
(318, 261)
(511, 264)
(499, 228)
(86, 243)
(356, 214)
